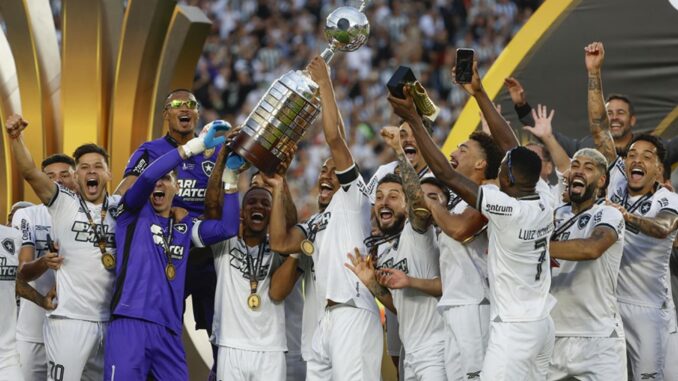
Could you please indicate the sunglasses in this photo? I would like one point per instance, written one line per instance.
(178, 103)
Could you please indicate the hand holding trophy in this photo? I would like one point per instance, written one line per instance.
(291, 104)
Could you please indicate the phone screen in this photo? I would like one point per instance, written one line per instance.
(464, 65)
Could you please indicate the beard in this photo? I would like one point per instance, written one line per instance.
(589, 192)
(396, 227)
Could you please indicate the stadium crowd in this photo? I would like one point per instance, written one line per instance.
(489, 271)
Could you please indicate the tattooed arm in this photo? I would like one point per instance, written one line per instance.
(599, 123)
(26, 291)
(661, 226)
(418, 213)
(585, 249)
(363, 268)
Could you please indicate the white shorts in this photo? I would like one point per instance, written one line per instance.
(467, 329)
(393, 344)
(519, 351)
(647, 333)
(296, 367)
(33, 360)
(347, 345)
(75, 349)
(589, 359)
(424, 364)
(11, 373)
(241, 364)
(671, 367)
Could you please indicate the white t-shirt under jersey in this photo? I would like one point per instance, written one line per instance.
(35, 223)
(518, 257)
(587, 290)
(463, 267)
(348, 225)
(10, 242)
(84, 286)
(417, 255)
(235, 324)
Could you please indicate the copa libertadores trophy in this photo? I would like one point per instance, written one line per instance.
(291, 104)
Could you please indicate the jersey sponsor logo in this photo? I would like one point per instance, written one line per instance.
(176, 251)
(140, 166)
(187, 166)
(207, 167)
(181, 228)
(583, 221)
(8, 244)
(7, 272)
(117, 211)
(189, 190)
(500, 210)
(392, 264)
(240, 262)
(25, 230)
(598, 217)
(663, 202)
(645, 207)
(84, 233)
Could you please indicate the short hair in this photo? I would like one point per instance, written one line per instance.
(437, 183)
(179, 90)
(390, 178)
(525, 165)
(654, 140)
(493, 154)
(623, 98)
(598, 159)
(252, 189)
(89, 148)
(545, 151)
(58, 158)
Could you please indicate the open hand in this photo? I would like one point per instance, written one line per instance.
(361, 266)
(393, 278)
(542, 122)
(516, 91)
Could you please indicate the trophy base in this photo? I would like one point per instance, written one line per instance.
(249, 149)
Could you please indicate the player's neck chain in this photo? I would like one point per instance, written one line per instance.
(107, 258)
(253, 300)
(170, 270)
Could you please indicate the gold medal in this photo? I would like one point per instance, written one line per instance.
(307, 247)
(108, 260)
(253, 302)
(170, 271)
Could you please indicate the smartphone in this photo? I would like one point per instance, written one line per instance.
(464, 65)
(50, 244)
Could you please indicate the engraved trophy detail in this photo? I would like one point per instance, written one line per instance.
(291, 104)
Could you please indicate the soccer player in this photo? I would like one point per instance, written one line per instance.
(407, 243)
(651, 215)
(10, 286)
(181, 114)
(588, 242)
(84, 225)
(249, 321)
(520, 223)
(37, 265)
(348, 342)
(154, 237)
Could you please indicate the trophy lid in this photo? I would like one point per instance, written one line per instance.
(347, 29)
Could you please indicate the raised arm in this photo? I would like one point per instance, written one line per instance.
(137, 195)
(41, 184)
(460, 226)
(585, 249)
(284, 278)
(543, 130)
(599, 123)
(500, 130)
(418, 213)
(284, 239)
(333, 126)
(435, 159)
(517, 94)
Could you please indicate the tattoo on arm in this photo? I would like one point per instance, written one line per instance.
(413, 192)
(24, 290)
(599, 123)
(659, 227)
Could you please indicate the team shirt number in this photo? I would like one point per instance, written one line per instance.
(540, 244)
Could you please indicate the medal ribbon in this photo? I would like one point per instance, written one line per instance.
(254, 282)
(101, 239)
(564, 227)
(167, 241)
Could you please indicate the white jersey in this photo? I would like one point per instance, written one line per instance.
(347, 220)
(84, 286)
(417, 255)
(384, 170)
(294, 309)
(35, 224)
(311, 313)
(463, 267)
(518, 255)
(10, 241)
(557, 190)
(235, 324)
(587, 290)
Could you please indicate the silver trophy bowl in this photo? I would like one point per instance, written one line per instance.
(291, 104)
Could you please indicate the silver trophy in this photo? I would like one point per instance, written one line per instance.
(291, 104)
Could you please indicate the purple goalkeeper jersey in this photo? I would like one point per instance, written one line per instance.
(192, 174)
(142, 289)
